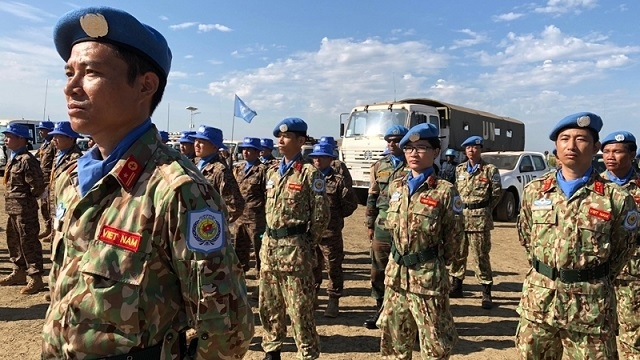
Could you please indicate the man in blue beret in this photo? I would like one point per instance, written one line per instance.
(24, 184)
(164, 136)
(142, 251)
(578, 231)
(266, 155)
(297, 213)
(480, 187)
(186, 144)
(337, 165)
(46, 153)
(383, 171)
(618, 152)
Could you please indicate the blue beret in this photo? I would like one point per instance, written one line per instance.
(450, 152)
(267, 143)
(64, 128)
(18, 130)
(555, 152)
(112, 26)
(395, 130)
(185, 137)
(290, 124)
(420, 132)
(164, 136)
(210, 134)
(472, 141)
(45, 125)
(323, 149)
(327, 140)
(618, 137)
(579, 120)
(250, 142)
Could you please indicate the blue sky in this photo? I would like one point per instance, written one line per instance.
(536, 62)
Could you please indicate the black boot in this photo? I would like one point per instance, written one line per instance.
(272, 355)
(456, 288)
(487, 303)
(370, 323)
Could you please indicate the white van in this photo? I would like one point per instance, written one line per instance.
(32, 145)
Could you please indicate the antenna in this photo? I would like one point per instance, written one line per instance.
(44, 111)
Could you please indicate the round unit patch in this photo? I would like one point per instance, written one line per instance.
(318, 185)
(631, 221)
(457, 204)
(206, 232)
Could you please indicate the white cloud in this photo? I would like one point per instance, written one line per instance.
(565, 6)
(178, 75)
(163, 18)
(188, 56)
(24, 11)
(183, 26)
(211, 27)
(215, 62)
(507, 17)
(474, 39)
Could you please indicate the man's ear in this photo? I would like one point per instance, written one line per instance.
(149, 83)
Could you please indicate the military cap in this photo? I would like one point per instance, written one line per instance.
(555, 152)
(185, 137)
(64, 128)
(322, 149)
(327, 140)
(419, 132)
(450, 152)
(210, 134)
(112, 26)
(395, 130)
(290, 124)
(581, 120)
(618, 137)
(18, 130)
(45, 125)
(164, 136)
(249, 142)
(472, 141)
(267, 143)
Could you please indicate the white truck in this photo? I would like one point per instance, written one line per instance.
(516, 169)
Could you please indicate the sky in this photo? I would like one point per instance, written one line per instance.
(536, 61)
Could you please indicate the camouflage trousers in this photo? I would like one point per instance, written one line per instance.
(380, 251)
(536, 341)
(247, 236)
(282, 294)
(45, 210)
(25, 250)
(404, 314)
(480, 243)
(330, 251)
(628, 303)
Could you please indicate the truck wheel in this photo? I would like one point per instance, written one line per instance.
(506, 209)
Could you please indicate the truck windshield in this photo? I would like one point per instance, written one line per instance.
(504, 162)
(374, 122)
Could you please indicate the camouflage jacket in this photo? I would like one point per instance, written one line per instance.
(380, 176)
(431, 217)
(24, 183)
(252, 186)
(144, 255)
(296, 199)
(221, 178)
(631, 271)
(341, 169)
(596, 225)
(483, 185)
(270, 161)
(60, 166)
(46, 154)
(342, 203)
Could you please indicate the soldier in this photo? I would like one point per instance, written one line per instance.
(424, 218)
(208, 140)
(618, 151)
(297, 211)
(448, 170)
(251, 179)
(343, 202)
(186, 144)
(141, 250)
(383, 171)
(164, 136)
(480, 188)
(24, 184)
(338, 166)
(578, 231)
(265, 155)
(45, 154)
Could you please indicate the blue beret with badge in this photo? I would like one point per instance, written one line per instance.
(290, 125)
(618, 137)
(250, 143)
(473, 141)
(420, 132)
(267, 143)
(322, 149)
(395, 130)
(210, 134)
(45, 125)
(18, 130)
(111, 26)
(581, 120)
(185, 136)
(64, 128)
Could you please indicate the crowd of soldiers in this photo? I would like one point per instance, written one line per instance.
(150, 246)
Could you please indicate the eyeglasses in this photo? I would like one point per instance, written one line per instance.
(392, 140)
(420, 149)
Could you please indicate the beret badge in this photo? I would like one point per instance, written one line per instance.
(284, 128)
(619, 137)
(583, 121)
(414, 137)
(94, 25)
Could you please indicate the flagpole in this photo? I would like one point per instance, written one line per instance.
(233, 121)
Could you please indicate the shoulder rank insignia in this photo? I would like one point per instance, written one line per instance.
(598, 187)
(546, 185)
(129, 172)
(432, 181)
(205, 231)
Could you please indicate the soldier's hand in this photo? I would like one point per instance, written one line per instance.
(370, 234)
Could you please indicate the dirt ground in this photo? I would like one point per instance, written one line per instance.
(484, 334)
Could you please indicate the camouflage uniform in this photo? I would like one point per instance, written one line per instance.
(428, 226)
(24, 184)
(297, 211)
(251, 224)
(142, 257)
(482, 188)
(448, 171)
(269, 160)
(341, 169)
(343, 202)
(221, 178)
(627, 286)
(46, 154)
(589, 237)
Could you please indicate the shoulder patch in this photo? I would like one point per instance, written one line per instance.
(496, 177)
(631, 220)
(318, 185)
(598, 187)
(206, 231)
(457, 204)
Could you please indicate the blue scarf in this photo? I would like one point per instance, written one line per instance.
(326, 171)
(91, 166)
(205, 160)
(282, 169)
(248, 165)
(415, 182)
(620, 181)
(569, 187)
(14, 153)
(472, 169)
(60, 154)
(396, 160)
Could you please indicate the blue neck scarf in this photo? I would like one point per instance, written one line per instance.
(249, 165)
(205, 160)
(282, 169)
(326, 171)
(472, 169)
(415, 182)
(569, 187)
(18, 151)
(620, 181)
(396, 160)
(60, 154)
(91, 166)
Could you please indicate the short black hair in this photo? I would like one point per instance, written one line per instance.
(434, 142)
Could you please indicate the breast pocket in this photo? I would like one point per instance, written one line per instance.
(594, 237)
(543, 222)
(427, 218)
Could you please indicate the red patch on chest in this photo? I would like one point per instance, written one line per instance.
(483, 179)
(295, 187)
(605, 215)
(429, 201)
(120, 238)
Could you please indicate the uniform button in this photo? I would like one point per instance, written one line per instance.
(204, 336)
(169, 337)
